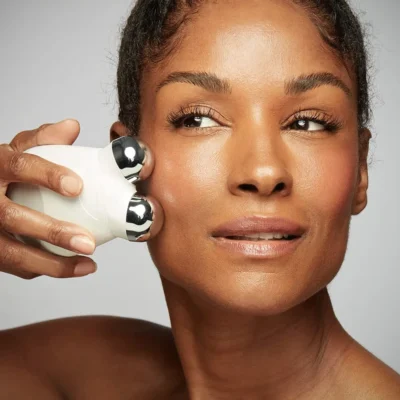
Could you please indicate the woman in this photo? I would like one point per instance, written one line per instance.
(261, 110)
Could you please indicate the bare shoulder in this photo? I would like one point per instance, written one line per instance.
(94, 354)
(366, 377)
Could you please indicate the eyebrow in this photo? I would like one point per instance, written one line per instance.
(205, 80)
(295, 86)
(304, 83)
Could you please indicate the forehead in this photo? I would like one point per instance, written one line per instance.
(252, 41)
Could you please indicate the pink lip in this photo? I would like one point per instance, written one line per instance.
(264, 249)
(254, 224)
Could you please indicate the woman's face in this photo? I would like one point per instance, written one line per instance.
(251, 153)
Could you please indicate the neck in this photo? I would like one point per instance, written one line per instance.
(228, 355)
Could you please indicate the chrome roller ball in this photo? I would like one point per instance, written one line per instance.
(130, 157)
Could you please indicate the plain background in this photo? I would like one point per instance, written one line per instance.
(59, 59)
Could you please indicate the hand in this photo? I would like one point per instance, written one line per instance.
(23, 260)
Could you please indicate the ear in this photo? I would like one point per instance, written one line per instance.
(360, 197)
(117, 130)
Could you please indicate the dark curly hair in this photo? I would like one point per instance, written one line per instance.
(151, 35)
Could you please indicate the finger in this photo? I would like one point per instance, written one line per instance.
(20, 274)
(33, 169)
(21, 220)
(63, 132)
(27, 262)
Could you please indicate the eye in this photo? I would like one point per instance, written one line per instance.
(314, 121)
(308, 125)
(198, 121)
(195, 117)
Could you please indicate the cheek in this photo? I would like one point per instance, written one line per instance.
(327, 190)
(185, 181)
(331, 179)
(188, 177)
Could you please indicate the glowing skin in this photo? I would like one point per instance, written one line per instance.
(206, 170)
(244, 328)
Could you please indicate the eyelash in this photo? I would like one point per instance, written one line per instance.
(330, 124)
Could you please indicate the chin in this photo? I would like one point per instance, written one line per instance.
(247, 293)
(254, 293)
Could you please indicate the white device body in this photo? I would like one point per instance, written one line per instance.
(102, 205)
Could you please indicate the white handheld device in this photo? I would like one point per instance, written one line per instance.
(107, 206)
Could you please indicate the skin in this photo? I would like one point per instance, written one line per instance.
(241, 329)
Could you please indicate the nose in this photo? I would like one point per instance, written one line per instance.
(258, 163)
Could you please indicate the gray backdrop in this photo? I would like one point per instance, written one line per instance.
(58, 60)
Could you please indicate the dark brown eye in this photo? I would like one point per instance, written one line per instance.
(198, 121)
(191, 122)
(308, 125)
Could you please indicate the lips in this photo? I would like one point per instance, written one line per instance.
(252, 225)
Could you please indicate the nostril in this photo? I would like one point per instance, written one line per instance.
(248, 187)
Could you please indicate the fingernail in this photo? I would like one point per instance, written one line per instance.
(70, 184)
(82, 244)
(85, 268)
